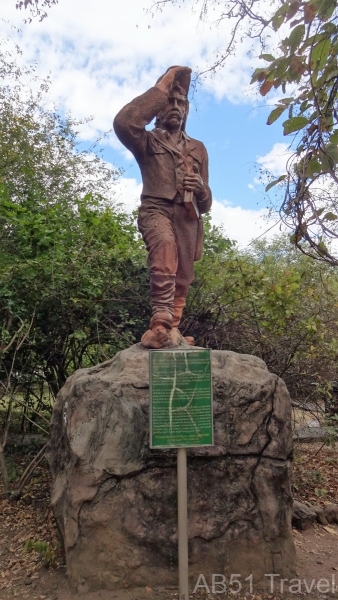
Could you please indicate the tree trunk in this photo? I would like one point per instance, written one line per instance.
(4, 471)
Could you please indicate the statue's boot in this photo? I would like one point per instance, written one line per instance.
(179, 304)
(158, 334)
(162, 290)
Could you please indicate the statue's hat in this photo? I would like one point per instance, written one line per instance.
(182, 79)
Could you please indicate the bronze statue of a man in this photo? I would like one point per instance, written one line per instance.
(175, 193)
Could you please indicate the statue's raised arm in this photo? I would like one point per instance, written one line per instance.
(174, 169)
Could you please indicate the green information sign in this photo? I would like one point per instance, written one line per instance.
(181, 412)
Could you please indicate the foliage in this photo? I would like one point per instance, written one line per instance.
(36, 7)
(73, 276)
(76, 270)
(69, 258)
(308, 60)
(271, 302)
(304, 39)
(45, 549)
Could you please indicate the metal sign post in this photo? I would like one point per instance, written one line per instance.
(181, 416)
(182, 503)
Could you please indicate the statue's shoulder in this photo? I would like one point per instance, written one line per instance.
(197, 145)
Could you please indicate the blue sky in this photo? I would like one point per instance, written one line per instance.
(100, 55)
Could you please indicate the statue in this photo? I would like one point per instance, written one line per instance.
(175, 194)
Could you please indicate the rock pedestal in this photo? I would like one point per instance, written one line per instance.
(115, 500)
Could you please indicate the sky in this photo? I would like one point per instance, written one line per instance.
(102, 54)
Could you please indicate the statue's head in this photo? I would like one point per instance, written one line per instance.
(174, 115)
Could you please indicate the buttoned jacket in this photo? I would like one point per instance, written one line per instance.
(162, 166)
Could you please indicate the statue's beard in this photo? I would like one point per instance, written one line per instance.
(160, 125)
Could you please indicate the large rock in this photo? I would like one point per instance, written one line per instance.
(303, 516)
(331, 513)
(114, 499)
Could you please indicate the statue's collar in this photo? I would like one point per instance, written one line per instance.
(166, 135)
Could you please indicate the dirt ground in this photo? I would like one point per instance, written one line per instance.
(31, 562)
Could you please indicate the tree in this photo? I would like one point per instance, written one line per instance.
(272, 302)
(72, 272)
(36, 7)
(64, 245)
(304, 66)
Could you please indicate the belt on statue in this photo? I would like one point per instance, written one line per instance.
(178, 199)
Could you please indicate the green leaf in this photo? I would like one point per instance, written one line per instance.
(286, 101)
(322, 248)
(325, 9)
(319, 53)
(327, 74)
(282, 64)
(294, 124)
(39, 547)
(332, 151)
(296, 37)
(29, 544)
(334, 137)
(330, 216)
(267, 57)
(275, 114)
(326, 162)
(313, 167)
(279, 16)
(256, 74)
(304, 106)
(329, 28)
(273, 183)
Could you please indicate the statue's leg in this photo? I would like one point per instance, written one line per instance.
(186, 238)
(155, 224)
(179, 304)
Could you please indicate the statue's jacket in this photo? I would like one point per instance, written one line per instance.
(162, 166)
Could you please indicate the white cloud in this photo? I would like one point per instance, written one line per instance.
(240, 224)
(101, 54)
(275, 160)
(127, 193)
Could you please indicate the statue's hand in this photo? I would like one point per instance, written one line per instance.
(193, 182)
(166, 80)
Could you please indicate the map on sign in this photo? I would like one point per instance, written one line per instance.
(181, 412)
